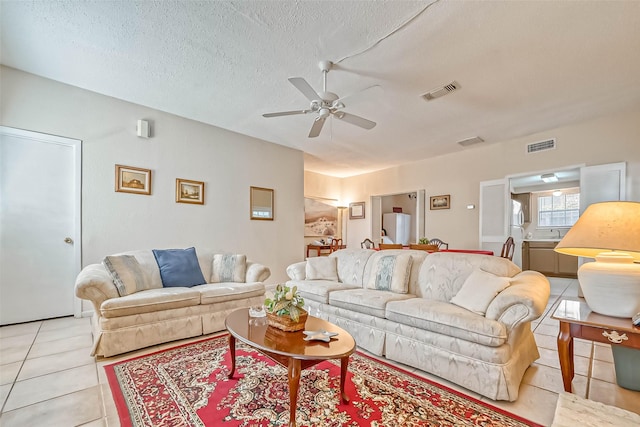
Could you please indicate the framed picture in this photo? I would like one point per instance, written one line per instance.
(440, 202)
(133, 180)
(320, 218)
(261, 203)
(188, 191)
(356, 210)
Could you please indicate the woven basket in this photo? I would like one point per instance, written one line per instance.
(285, 323)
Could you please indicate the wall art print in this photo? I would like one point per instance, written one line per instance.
(320, 218)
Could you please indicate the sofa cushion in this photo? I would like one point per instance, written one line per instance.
(127, 274)
(322, 268)
(229, 268)
(390, 273)
(149, 301)
(447, 319)
(367, 301)
(230, 291)
(179, 267)
(478, 290)
(351, 265)
(318, 290)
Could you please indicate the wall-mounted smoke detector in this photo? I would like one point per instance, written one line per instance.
(535, 147)
(470, 141)
(441, 91)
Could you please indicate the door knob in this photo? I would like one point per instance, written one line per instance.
(68, 240)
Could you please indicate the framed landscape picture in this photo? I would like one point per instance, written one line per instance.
(356, 210)
(130, 179)
(440, 202)
(188, 191)
(320, 219)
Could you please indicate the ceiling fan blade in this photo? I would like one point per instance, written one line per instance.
(355, 120)
(374, 90)
(286, 113)
(317, 127)
(304, 87)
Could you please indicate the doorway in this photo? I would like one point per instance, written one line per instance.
(40, 251)
(411, 203)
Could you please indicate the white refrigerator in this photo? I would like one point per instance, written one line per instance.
(397, 226)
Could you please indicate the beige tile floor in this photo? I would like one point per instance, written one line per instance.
(47, 377)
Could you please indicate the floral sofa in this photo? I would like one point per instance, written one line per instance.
(463, 317)
(146, 297)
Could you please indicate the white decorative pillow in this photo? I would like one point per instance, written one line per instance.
(127, 275)
(479, 290)
(322, 268)
(229, 268)
(391, 273)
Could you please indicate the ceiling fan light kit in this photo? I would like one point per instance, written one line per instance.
(324, 104)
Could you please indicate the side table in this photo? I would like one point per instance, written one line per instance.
(578, 321)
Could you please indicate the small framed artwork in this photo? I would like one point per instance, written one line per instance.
(130, 179)
(261, 203)
(356, 210)
(188, 191)
(440, 202)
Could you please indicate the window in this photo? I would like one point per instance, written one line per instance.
(558, 211)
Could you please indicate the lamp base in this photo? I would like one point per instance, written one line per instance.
(611, 285)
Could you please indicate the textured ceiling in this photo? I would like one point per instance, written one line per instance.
(523, 67)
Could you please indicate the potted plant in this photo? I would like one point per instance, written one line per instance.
(284, 310)
(423, 241)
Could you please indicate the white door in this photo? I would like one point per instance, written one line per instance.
(493, 215)
(602, 183)
(39, 225)
(376, 219)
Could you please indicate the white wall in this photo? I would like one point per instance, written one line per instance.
(602, 140)
(228, 163)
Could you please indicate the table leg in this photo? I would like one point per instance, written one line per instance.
(565, 353)
(295, 369)
(344, 362)
(232, 352)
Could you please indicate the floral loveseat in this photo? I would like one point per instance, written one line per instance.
(142, 298)
(463, 317)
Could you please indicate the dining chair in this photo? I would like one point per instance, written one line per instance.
(383, 246)
(508, 248)
(336, 244)
(439, 243)
(423, 247)
(367, 244)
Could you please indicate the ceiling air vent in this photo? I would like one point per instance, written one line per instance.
(535, 147)
(470, 141)
(441, 91)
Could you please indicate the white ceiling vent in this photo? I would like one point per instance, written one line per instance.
(535, 147)
(470, 141)
(441, 91)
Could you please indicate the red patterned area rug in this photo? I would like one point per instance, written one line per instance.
(188, 386)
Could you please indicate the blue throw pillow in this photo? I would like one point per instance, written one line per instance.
(179, 267)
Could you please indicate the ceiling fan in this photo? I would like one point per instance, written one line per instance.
(324, 104)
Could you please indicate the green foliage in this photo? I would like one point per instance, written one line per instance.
(423, 241)
(285, 301)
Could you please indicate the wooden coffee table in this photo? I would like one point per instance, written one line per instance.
(289, 349)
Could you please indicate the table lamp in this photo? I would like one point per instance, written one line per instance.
(610, 233)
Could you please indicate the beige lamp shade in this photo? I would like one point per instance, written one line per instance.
(607, 226)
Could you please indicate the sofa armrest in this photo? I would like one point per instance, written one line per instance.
(525, 300)
(297, 271)
(94, 283)
(256, 272)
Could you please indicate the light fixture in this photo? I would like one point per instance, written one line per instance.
(610, 233)
(557, 193)
(549, 177)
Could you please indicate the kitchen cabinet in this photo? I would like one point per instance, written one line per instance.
(540, 256)
(525, 203)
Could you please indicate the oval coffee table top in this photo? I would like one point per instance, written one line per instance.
(256, 333)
